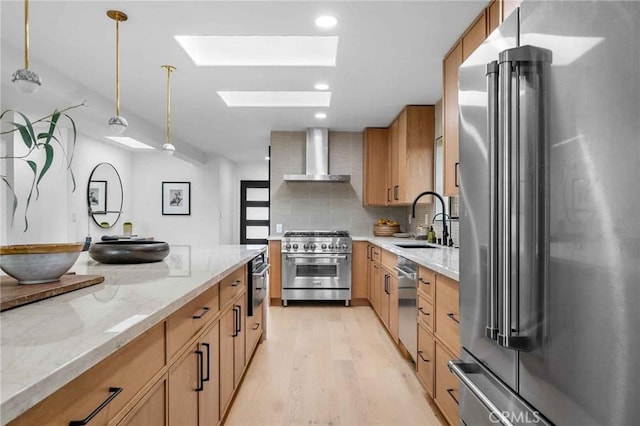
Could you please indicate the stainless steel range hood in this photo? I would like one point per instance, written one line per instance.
(317, 165)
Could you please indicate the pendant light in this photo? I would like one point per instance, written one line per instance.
(117, 124)
(26, 80)
(168, 148)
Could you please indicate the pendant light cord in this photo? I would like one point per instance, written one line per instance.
(169, 69)
(117, 67)
(26, 34)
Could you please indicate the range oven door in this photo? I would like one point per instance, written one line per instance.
(316, 271)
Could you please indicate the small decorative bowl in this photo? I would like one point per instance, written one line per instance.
(123, 252)
(38, 263)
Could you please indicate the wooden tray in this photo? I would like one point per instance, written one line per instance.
(13, 294)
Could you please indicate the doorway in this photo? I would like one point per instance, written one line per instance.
(254, 211)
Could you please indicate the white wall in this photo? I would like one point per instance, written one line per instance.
(201, 227)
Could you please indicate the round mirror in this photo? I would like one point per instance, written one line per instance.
(105, 195)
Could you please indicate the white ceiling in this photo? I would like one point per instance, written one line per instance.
(389, 55)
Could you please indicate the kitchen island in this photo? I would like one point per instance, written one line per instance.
(48, 344)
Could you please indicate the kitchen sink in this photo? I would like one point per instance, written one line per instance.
(415, 246)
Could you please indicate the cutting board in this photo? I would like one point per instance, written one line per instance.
(13, 294)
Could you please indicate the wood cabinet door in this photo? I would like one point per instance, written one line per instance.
(374, 276)
(227, 338)
(152, 409)
(359, 267)
(400, 188)
(209, 402)
(426, 360)
(384, 296)
(475, 36)
(417, 170)
(239, 340)
(394, 324)
(394, 145)
(451, 135)
(275, 273)
(493, 16)
(375, 161)
(447, 323)
(446, 385)
(184, 379)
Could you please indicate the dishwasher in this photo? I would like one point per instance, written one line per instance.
(407, 295)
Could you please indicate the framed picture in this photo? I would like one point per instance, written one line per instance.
(97, 195)
(179, 261)
(176, 198)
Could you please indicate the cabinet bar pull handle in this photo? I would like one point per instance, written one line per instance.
(421, 357)
(388, 195)
(235, 321)
(208, 346)
(204, 311)
(256, 326)
(452, 316)
(200, 387)
(450, 392)
(424, 282)
(236, 283)
(239, 318)
(395, 192)
(114, 392)
(422, 311)
(455, 171)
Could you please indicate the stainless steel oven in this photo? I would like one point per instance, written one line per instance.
(258, 279)
(316, 265)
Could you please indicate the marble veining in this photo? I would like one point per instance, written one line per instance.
(49, 343)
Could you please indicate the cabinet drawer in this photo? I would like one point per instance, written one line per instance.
(425, 312)
(254, 330)
(189, 320)
(447, 326)
(425, 361)
(376, 254)
(446, 387)
(389, 261)
(232, 285)
(426, 281)
(119, 378)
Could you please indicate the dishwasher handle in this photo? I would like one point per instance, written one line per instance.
(413, 276)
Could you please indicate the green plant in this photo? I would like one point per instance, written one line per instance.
(44, 141)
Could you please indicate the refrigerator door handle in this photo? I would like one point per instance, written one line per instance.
(491, 329)
(462, 370)
(532, 60)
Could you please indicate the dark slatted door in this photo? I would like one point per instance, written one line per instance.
(254, 211)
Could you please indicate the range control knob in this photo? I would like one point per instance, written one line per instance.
(295, 247)
(344, 246)
(331, 246)
(288, 246)
(324, 246)
(312, 246)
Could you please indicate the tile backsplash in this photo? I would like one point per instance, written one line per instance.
(321, 205)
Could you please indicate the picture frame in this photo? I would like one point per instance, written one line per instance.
(179, 261)
(176, 198)
(97, 196)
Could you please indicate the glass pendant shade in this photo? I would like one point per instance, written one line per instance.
(168, 148)
(26, 81)
(117, 125)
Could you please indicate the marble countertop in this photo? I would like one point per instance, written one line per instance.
(443, 260)
(47, 344)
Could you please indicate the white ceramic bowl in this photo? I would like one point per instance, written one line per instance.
(38, 263)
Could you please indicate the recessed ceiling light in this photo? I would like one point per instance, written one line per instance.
(321, 115)
(130, 142)
(260, 50)
(326, 21)
(322, 86)
(276, 99)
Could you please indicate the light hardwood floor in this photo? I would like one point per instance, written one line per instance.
(329, 365)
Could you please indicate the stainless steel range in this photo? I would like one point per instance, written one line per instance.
(316, 265)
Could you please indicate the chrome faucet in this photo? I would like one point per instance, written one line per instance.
(445, 230)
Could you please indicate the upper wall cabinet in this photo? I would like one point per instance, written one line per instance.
(376, 148)
(411, 154)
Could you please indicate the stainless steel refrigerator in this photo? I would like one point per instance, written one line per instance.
(550, 218)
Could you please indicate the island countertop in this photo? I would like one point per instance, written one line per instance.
(46, 344)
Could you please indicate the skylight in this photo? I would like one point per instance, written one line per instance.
(130, 142)
(276, 99)
(260, 50)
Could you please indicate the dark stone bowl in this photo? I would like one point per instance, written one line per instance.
(129, 251)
